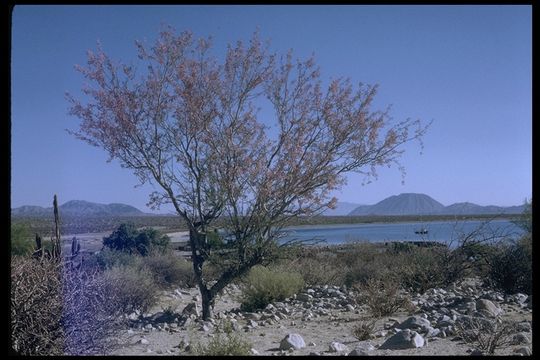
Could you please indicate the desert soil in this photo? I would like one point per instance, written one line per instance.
(317, 332)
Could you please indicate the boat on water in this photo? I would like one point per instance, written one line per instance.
(422, 231)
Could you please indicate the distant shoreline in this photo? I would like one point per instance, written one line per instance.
(171, 223)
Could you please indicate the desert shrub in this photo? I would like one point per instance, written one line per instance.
(363, 330)
(359, 253)
(486, 334)
(382, 297)
(364, 262)
(423, 268)
(264, 286)
(399, 247)
(510, 266)
(22, 242)
(92, 313)
(36, 307)
(127, 238)
(169, 269)
(317, 267)
(57, 311)
(379, 267)
(133, 287)
(224, 343)
(108, 258)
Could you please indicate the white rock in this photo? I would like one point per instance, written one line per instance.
(362, 349)
(415, 322)
(488, 307)
(252, 323)
(405, 339)
(337, 347)
(293, 341)
(143, 341)
(417, 340)
(252, 316)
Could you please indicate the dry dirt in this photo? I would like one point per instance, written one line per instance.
(318, 333)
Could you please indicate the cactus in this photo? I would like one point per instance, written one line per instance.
(57, 246)
(75, 247)
(39, 249)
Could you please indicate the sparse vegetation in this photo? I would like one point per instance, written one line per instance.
(133, 287)
(168, 269)
(316, 265)
(382, 297)
(487, 334)
(36, 307)
(22, 242)
(510, 264)
(224, 343)
(363, 330)
(55, 311)
(510, 267)
(108, 258)
(264, 286)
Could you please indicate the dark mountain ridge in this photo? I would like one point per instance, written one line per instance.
(80, 208)
(403, 204)
(422, 204)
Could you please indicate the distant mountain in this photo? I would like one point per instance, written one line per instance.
(422, 204)
(467, 208)
(29, 210)
(403, 204)
(79, 208)
(342, 209)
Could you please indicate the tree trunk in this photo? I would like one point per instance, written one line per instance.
(198, 261)
(207, 303)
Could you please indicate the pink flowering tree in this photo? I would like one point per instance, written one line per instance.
(190, 124)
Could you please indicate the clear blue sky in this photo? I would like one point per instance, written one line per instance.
(467, 68)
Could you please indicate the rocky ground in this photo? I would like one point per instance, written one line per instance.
(320, 320)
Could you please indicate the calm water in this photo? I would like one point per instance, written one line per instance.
(441, 231)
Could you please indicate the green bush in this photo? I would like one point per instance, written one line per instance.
(375, 267)
(108, 258)
(421, 269)
(133, 287)
(317, 266)
(127, 238)
(22, 242)
(264, 286)
(224, 343)
(510, 267)
(169, 269)
(215, 241)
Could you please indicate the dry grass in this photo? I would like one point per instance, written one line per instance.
(57, 311)
(487, 335)
(382, 297)
(363, 330)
